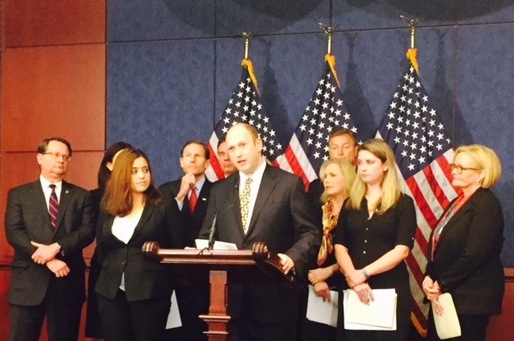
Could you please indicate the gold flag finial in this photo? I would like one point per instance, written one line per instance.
(412, 53)
(247, 63)
(247, 36)
(412, 27)
(329, 30)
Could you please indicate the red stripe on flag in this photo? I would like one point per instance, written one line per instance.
(215, 164)
(421, 202)
(295, 166)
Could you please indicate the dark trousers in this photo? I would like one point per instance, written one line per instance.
(245, 327)
(63, 318)
(473, 328)
(133, 321)
(93, 322)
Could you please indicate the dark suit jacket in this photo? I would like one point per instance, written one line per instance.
(145, 278)
(27, 220)
(283, 219)
(316, 189)
(467, 259)
(191, 223)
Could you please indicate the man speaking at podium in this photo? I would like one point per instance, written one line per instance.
(261, 203)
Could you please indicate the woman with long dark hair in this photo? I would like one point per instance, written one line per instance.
(93, 324)
(133, 290)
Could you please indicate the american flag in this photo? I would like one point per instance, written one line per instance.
(326, 110)
(423, 152)
(244, 106)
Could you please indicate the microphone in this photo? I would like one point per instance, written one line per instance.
(212, 232)
(213, 229)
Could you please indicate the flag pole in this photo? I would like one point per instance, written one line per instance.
(247, 63)
(329, 57)
(247, 36)
(412, 53)
(329, 30)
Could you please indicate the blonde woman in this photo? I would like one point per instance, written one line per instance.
(337, 176)
(374, 236)
(464, 249)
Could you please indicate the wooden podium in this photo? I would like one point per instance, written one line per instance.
(220, 264)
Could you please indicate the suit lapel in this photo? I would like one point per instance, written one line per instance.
(233, 197)
(451, 223)
(64, 201)
(265, 189)
(203, 198)
(39, 195)
(147, 213)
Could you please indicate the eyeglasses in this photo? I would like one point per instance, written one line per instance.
(459, 168)
(65, 157)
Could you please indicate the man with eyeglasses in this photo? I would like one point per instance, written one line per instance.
(48, 223)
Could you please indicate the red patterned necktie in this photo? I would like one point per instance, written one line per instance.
(53, 205)
(193, 199)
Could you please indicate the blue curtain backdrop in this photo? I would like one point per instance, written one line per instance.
(172, 65)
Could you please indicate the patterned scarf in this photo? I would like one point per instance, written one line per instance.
(329, 222)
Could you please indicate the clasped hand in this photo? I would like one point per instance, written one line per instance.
(45, 255)
(432, 290)
(364, 293)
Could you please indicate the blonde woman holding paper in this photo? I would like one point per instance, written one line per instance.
(464, 249)
(337, 176)
(374, 235)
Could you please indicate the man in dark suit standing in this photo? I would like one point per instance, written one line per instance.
(260, 203)
(191, 193)
(48, 223)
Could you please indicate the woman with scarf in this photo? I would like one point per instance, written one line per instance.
(337, 177)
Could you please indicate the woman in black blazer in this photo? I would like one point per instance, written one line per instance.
(93, 323)
(133, 290)
(465, 246)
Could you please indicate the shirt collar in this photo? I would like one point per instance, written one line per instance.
(256, 175)
(46, 184)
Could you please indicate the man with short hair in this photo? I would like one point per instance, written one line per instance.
(48, 223)
(342, 144)
(261, 203)
(192, 195)
(226, 165)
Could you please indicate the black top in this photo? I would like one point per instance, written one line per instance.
(369, 239)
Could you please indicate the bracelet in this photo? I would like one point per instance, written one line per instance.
(366, 275)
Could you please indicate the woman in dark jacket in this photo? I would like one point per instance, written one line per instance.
(93, 324)
(465, 246)
(133, 290)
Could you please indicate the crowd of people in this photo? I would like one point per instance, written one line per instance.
(351, 231)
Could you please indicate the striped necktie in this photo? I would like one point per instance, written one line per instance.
(53, 207)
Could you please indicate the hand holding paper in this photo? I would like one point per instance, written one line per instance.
(447, 323)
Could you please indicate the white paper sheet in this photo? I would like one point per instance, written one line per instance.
(380, 314)
(204, 244)
(446, 325)
(174, 320)
(322, 312)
